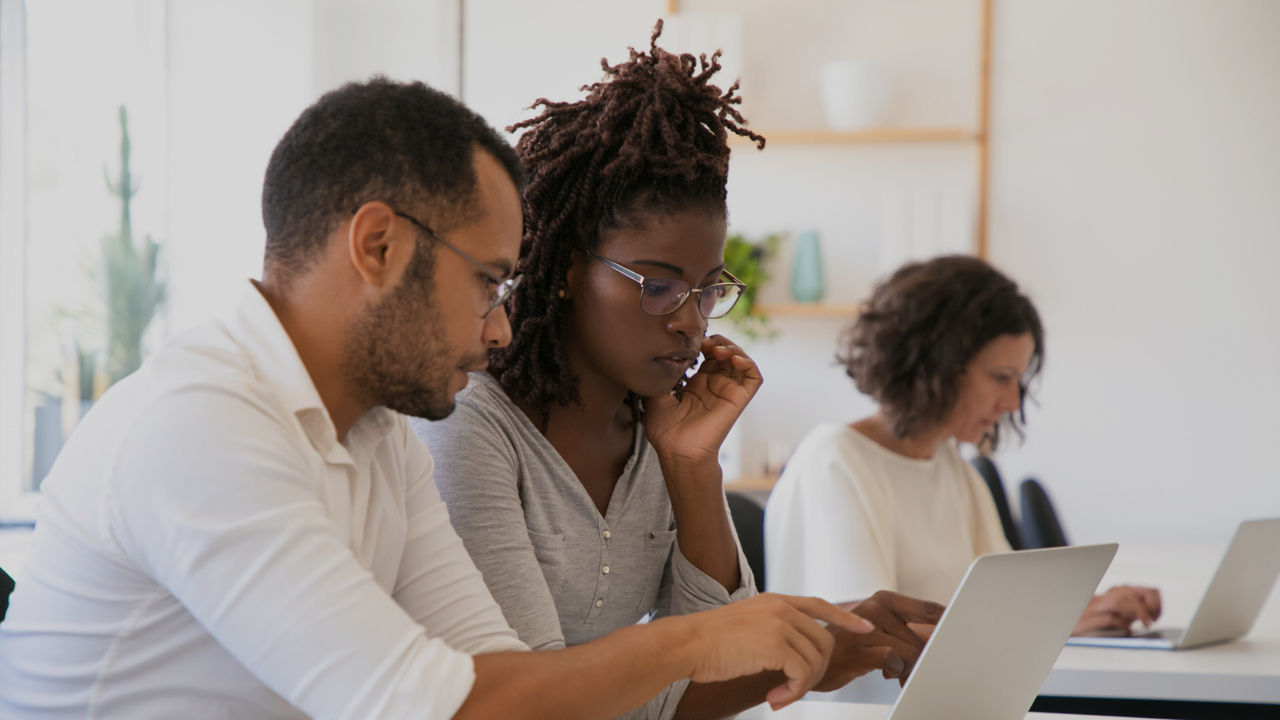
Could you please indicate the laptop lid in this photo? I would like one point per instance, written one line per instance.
(1001, 633)
(1240, 586)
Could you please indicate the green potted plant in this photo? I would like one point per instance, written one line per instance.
(745, 259)
(127, 276)
(130, 295)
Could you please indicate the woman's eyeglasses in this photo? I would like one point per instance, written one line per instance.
(663, 296)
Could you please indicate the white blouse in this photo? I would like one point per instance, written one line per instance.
(849, 517)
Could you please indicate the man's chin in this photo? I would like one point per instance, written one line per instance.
(459, 381)
(429, 410)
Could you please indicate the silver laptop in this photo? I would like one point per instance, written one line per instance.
(1231, 604)
(1001, 634)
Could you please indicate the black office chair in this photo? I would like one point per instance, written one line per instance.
(6, 587)
(987, 469)
(748, 520)
(1040, 526)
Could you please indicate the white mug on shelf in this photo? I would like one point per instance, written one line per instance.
(855, 95)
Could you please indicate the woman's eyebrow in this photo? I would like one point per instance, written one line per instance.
(658, 263)
(677, 269)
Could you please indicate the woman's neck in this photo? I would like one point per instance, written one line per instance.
(602, 412)
(920, 446)
(601, 415)
(594, 437)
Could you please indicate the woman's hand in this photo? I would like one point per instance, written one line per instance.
(1118, 608)
(903, 626)
(689, 429)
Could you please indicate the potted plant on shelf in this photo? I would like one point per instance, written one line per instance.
(745, 259)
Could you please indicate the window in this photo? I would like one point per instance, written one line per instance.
(208, 89)
(85, 107)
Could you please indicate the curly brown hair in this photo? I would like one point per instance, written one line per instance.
(652, 137)
(916, 335)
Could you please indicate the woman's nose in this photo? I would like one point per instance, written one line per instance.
(686, 320)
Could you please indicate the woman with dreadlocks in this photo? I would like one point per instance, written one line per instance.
(586, 490)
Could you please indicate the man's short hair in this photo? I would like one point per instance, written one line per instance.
(405, 144)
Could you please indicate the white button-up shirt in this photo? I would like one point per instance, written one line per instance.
(206, 548)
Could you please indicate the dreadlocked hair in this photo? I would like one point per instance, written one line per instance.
(652, 136)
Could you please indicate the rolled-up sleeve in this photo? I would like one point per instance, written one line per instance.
(686, 589)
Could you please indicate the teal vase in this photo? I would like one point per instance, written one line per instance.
(807, 285)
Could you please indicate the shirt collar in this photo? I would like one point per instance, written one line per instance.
(257, 329)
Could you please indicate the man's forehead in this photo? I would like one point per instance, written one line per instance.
(494, 224)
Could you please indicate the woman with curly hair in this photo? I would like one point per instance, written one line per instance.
(946, 348)
(581, 470)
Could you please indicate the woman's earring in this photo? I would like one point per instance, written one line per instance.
(561, 293)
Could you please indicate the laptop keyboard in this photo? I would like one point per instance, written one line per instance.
(1161, 634)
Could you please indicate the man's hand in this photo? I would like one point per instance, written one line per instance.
(1118, 608)
(903, 625)
(768, 632)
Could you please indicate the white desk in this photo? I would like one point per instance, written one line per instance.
(805, 710)
(1244, 671)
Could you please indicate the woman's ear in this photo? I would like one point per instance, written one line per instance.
(573, 277)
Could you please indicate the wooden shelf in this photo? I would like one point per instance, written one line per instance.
(808, 310)
(874, 135)
(752, 483)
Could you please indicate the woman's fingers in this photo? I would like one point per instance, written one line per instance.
(1126, 602)
(1150, 599)
(725, 367)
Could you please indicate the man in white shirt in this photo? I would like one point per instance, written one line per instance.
(247, 528)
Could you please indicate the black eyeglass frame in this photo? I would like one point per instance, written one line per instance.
(502, 288)
(640, 280)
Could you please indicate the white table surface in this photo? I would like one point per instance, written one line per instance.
(805, 710)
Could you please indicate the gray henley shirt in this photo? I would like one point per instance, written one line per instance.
(562, 574)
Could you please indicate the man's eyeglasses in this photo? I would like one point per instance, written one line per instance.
(663, 296)
(502, 289)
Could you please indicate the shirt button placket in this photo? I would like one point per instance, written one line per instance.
(602, 584)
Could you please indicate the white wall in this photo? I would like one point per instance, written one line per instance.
(240, 72)
(1136, 194)
(402, 39)
(516, 52)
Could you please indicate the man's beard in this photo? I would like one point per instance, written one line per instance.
(397, 354)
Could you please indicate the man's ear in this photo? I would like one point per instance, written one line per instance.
(377, 245)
